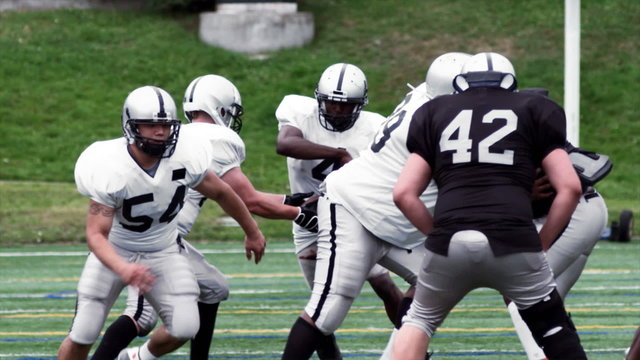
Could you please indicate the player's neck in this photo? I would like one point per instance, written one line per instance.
(141, 158)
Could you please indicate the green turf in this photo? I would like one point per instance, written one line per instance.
(65, 74)
(37, 302)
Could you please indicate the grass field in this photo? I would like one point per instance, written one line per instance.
(65, 74)
(38, 297)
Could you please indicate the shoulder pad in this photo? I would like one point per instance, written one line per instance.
(591, 167)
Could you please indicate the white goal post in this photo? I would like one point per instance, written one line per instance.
(572, 69)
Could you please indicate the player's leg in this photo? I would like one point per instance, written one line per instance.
(529, 284)
(174, 297)
(138, 319)
(443, 281)
(407, 265)
(529, 344)
(343, 262)
(214, 288)
(567, 259)
(306, 253)
(568, 255)
(97, 289)
(386, 289)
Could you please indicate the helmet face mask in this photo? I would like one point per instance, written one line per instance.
(486, 69)
(216, 96)
(150, 105)
(341, 94)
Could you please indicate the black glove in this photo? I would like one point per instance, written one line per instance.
(297, 199)
(307, 218)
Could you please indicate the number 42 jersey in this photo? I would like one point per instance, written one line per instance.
(145, 206)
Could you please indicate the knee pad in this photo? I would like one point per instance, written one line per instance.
(185, 322)
(89, 319)
(141, 312)
(552, 328)
(329, 314)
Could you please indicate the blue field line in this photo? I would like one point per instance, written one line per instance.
(481, 353)
(217, 338)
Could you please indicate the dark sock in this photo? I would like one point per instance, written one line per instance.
(201, 343)
(402, 310)
(117, 337)
(328, 348)
(302, 341)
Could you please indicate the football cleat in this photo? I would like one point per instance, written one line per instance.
(129, 354)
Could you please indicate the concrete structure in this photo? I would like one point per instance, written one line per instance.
(256, 26)
(6, 5)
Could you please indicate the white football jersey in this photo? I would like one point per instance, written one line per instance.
(365, 185)
(146, 206)
(302, 112)
(227, 152)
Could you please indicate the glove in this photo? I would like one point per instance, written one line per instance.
(307, 218)
(297, 199)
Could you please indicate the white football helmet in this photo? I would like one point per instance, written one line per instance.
(486, 69)
(345, 84)
(443, 69)
(216, 96)
(150, 105)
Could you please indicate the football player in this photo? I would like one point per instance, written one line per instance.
(213, 106)
(136, 185)
(568, 254)
(319, 136)
(482, 147)
(359, 223)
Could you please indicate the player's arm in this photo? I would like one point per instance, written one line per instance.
(215, 189)
(259, 203)
(413, 180)
(99, 220)
(564, 180)
(291, 143)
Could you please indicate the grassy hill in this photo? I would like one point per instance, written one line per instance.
(64, 76)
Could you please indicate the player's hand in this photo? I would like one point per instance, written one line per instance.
(138, 276)
(297, 199)
(308, 218)
(254, 246)
(542, 188)
(344, 158)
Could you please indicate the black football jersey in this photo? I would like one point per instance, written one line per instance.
(483, 146)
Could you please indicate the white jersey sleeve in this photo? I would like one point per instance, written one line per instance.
(365, 185)
(145, 206)
(227, 152)
(306, 175)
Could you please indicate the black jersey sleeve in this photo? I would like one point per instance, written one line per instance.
(552, 127)
(418, 140)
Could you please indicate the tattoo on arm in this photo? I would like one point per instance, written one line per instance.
(99, 209)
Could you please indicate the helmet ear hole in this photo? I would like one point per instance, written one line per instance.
(509, 82)
(460, 83)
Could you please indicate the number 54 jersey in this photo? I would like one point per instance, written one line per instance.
(145, 205)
